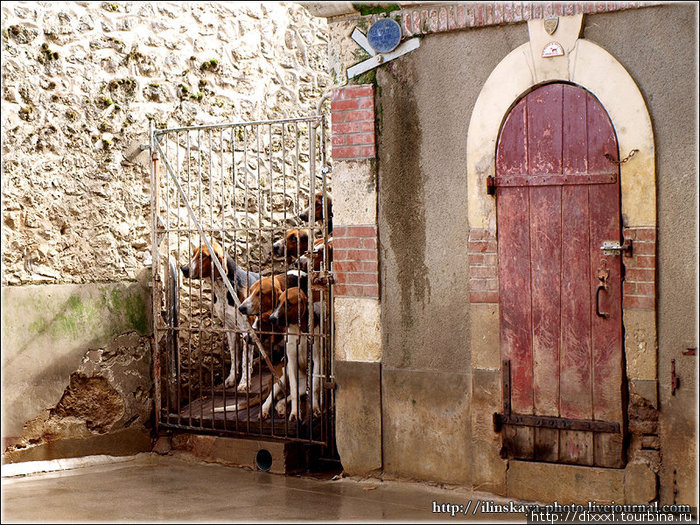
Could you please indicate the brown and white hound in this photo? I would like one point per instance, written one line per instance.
(294, 243)
(201, 266)
(292, 314)
(319, 213)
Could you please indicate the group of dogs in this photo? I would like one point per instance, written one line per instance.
(276, 307)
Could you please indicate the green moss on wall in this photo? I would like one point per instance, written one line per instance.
(113, 312)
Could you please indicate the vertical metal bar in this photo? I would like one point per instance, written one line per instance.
(272, 255)
(312, 224)
(169, 362)
(236, 335)
(201, 281)
(247, 248)
(176, 335)
(155, 291)
(190, 326)
(224, 248)
(260, 206)
(323, 340)
(286, 266)
(213, 273)
(505, 386)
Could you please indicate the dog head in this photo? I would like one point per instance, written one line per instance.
(295, 242)
(318, 254)
(200, 266)
(263, 295)
(291, 308)
(319, 214)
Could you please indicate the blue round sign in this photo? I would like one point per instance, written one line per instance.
(384, 35)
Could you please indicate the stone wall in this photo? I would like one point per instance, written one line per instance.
(81, 80)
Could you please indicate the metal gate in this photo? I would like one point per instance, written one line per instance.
(241, 282)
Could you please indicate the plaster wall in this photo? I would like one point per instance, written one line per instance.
(425, 103)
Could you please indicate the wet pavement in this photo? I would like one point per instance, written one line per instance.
(152, 488)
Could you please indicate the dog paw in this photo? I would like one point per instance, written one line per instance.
(293, 416)
(281, 407)
(230, 381)
(242, 386)
(265, 413)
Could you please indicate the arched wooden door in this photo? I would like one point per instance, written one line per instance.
(558, 201)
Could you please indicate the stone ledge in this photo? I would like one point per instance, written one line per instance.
(565, 484)
(287, 457)
(125, 442)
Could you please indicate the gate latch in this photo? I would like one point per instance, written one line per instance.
(615, 248)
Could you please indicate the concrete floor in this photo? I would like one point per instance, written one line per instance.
(152, 488)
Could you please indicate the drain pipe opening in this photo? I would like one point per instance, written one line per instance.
(263, 460)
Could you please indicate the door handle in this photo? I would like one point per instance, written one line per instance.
(601, 287)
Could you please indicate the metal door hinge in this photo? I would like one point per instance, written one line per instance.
(615, 248)
(528, 420)
(675, 380)
(491, 185)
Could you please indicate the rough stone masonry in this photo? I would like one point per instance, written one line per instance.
(81, 80)
(80, 83)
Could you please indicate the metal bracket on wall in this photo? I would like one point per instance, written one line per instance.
(376, 59)
(526, 420)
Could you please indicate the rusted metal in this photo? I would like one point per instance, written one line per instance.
(675, 380)
(555, 423)
(548, 422)
(212, 173)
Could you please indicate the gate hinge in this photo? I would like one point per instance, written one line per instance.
(329, 385)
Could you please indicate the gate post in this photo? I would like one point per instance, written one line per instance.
(355, 265)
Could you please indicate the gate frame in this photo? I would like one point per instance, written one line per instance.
(589, 66)
(319, 119)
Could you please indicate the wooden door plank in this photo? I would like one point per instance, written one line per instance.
(544, 139)
(606, 333)
(544, 126)
(575, 385)
(514, 289)
(545, 255)
(576, 445)
(511, 155)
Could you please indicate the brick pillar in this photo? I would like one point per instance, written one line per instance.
(356, 270)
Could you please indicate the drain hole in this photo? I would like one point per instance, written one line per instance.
(263, 460)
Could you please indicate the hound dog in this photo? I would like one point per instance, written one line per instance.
(320, 214)
(263, 297)
(292, 315)
(294, 243)
(317, 256)
(202, 267)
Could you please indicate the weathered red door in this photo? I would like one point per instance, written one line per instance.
(558, 201)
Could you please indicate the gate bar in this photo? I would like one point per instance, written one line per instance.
(220, 269)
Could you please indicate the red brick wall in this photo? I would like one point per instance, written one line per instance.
(355, 261)
(483, 266)
(639, 287)
(352, 120)
(438, 19)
